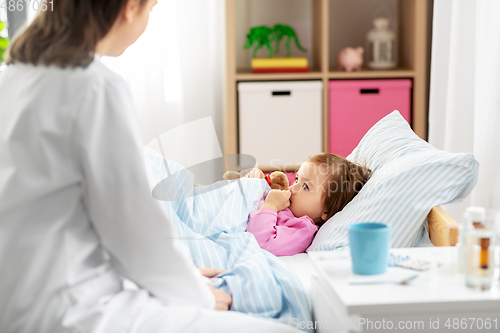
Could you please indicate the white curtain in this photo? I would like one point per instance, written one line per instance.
(175, 73)
(464, 114)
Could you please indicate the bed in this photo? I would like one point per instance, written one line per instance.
(443, 230)
(410, 180)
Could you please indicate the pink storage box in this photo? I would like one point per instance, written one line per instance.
(356, 105)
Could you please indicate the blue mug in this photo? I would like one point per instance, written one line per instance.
(369, 243)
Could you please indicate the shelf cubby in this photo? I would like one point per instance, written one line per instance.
(324, 27)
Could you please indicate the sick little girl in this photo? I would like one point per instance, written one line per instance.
(286, 222)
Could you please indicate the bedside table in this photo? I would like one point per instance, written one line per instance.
(436, 300)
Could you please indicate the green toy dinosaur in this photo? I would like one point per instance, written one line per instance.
(263, 36)
(3, 43)
(282, 30)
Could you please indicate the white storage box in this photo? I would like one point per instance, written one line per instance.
(280, 123)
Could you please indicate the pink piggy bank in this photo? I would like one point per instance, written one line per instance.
(350, 59)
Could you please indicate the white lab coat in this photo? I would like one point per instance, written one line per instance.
(76, 212)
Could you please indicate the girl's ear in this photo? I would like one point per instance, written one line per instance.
(324, 216)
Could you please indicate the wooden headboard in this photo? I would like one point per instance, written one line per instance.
(443, 230)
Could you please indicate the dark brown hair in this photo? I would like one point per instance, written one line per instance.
(343, 181)
(67, 35)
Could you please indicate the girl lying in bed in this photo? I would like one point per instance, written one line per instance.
(286, 222)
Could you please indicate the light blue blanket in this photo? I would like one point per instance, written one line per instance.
(211, 220)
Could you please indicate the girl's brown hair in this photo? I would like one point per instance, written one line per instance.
(343, 180)
(67, 35)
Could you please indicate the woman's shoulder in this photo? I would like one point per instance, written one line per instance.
(100, 71)
(68, 82)
(95, 73)
(96, 82)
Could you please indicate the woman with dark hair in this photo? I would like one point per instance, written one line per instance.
(76, 212)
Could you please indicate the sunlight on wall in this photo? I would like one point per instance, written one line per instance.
(155, 46)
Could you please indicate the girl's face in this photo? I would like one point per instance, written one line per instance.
(307, 192)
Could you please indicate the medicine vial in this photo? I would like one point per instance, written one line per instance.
(480, 250)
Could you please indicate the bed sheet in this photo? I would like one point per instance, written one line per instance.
(301, 265)
(211, 221)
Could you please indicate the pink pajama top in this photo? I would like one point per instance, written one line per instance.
(281, 233)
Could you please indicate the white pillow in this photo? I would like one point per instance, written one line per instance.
(409, 178)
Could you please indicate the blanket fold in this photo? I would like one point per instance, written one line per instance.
(211, 220)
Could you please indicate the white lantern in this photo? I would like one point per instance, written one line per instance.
(381, 45)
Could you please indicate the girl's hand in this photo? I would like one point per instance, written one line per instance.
(252, 173)
(277, 200)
